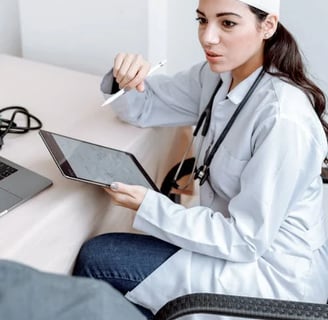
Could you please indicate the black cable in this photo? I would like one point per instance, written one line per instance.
(9, 125)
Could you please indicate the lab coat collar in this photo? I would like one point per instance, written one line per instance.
(238, 93)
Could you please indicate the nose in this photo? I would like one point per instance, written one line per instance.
(209, 35)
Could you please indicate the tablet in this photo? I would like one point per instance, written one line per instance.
(84, 161)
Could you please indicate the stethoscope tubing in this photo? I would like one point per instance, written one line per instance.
(10, 126)
(204, 122)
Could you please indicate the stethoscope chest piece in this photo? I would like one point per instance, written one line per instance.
(202, 173)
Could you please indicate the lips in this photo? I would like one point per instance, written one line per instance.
(213, 57)
(212, 54)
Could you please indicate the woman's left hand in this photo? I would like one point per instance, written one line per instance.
(127, 196)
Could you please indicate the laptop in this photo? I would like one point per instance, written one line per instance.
(95, 164)
(18, 184)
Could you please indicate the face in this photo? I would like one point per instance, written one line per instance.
(231, 36)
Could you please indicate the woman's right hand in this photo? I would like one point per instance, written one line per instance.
(130, 70)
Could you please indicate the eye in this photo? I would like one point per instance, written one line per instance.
(201, 20)
(228, 24)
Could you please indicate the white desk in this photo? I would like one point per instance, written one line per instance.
(47, 231)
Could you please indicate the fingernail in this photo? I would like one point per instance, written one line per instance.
(114, 186)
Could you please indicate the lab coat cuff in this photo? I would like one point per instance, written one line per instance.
(145, 211)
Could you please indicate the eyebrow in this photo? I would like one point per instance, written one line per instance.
(220, 14)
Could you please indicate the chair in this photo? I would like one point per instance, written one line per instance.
(167, 187)
(242, 307)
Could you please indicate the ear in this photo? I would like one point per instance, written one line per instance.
(270, 26)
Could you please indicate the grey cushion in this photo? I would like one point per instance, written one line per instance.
(26, 293)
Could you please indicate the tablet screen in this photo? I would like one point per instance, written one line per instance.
(84, 161)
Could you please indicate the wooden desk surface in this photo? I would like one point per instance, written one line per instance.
(47, 231)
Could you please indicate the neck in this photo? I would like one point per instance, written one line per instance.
(241, 73)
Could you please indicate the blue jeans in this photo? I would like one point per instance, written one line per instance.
(122, 259)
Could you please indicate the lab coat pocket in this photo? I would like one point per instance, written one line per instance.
(288, 273)
(225, 172)
(275, 275)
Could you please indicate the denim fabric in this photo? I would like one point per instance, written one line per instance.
(122, 259)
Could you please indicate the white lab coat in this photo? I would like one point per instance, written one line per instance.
(260, 229)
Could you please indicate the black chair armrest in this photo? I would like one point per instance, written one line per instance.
(324, 173)
(243, 307)
(168, 183)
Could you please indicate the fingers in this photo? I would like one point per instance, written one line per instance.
(130, 70)
(127, 196)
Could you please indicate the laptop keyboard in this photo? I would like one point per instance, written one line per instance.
(6, 170)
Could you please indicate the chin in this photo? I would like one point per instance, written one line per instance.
(218, 68)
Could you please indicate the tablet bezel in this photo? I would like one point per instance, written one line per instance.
(65, 168)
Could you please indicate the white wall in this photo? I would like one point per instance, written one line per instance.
(157, 31)
(307, 20)
(183, 46)
(82, 34)
(10, 41)
(86, 34)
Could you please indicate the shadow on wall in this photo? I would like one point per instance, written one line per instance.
(10, 37)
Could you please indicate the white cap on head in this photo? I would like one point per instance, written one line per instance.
(269, 6)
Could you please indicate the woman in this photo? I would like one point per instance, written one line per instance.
(260, 229)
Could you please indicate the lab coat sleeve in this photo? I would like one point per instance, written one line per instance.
(285, 163)
(166, 101)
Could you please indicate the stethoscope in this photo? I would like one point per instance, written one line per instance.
(10, 126)
(202, 173)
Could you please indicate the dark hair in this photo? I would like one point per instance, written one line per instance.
(289, 66)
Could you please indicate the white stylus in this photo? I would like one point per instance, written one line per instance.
(122, 91)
